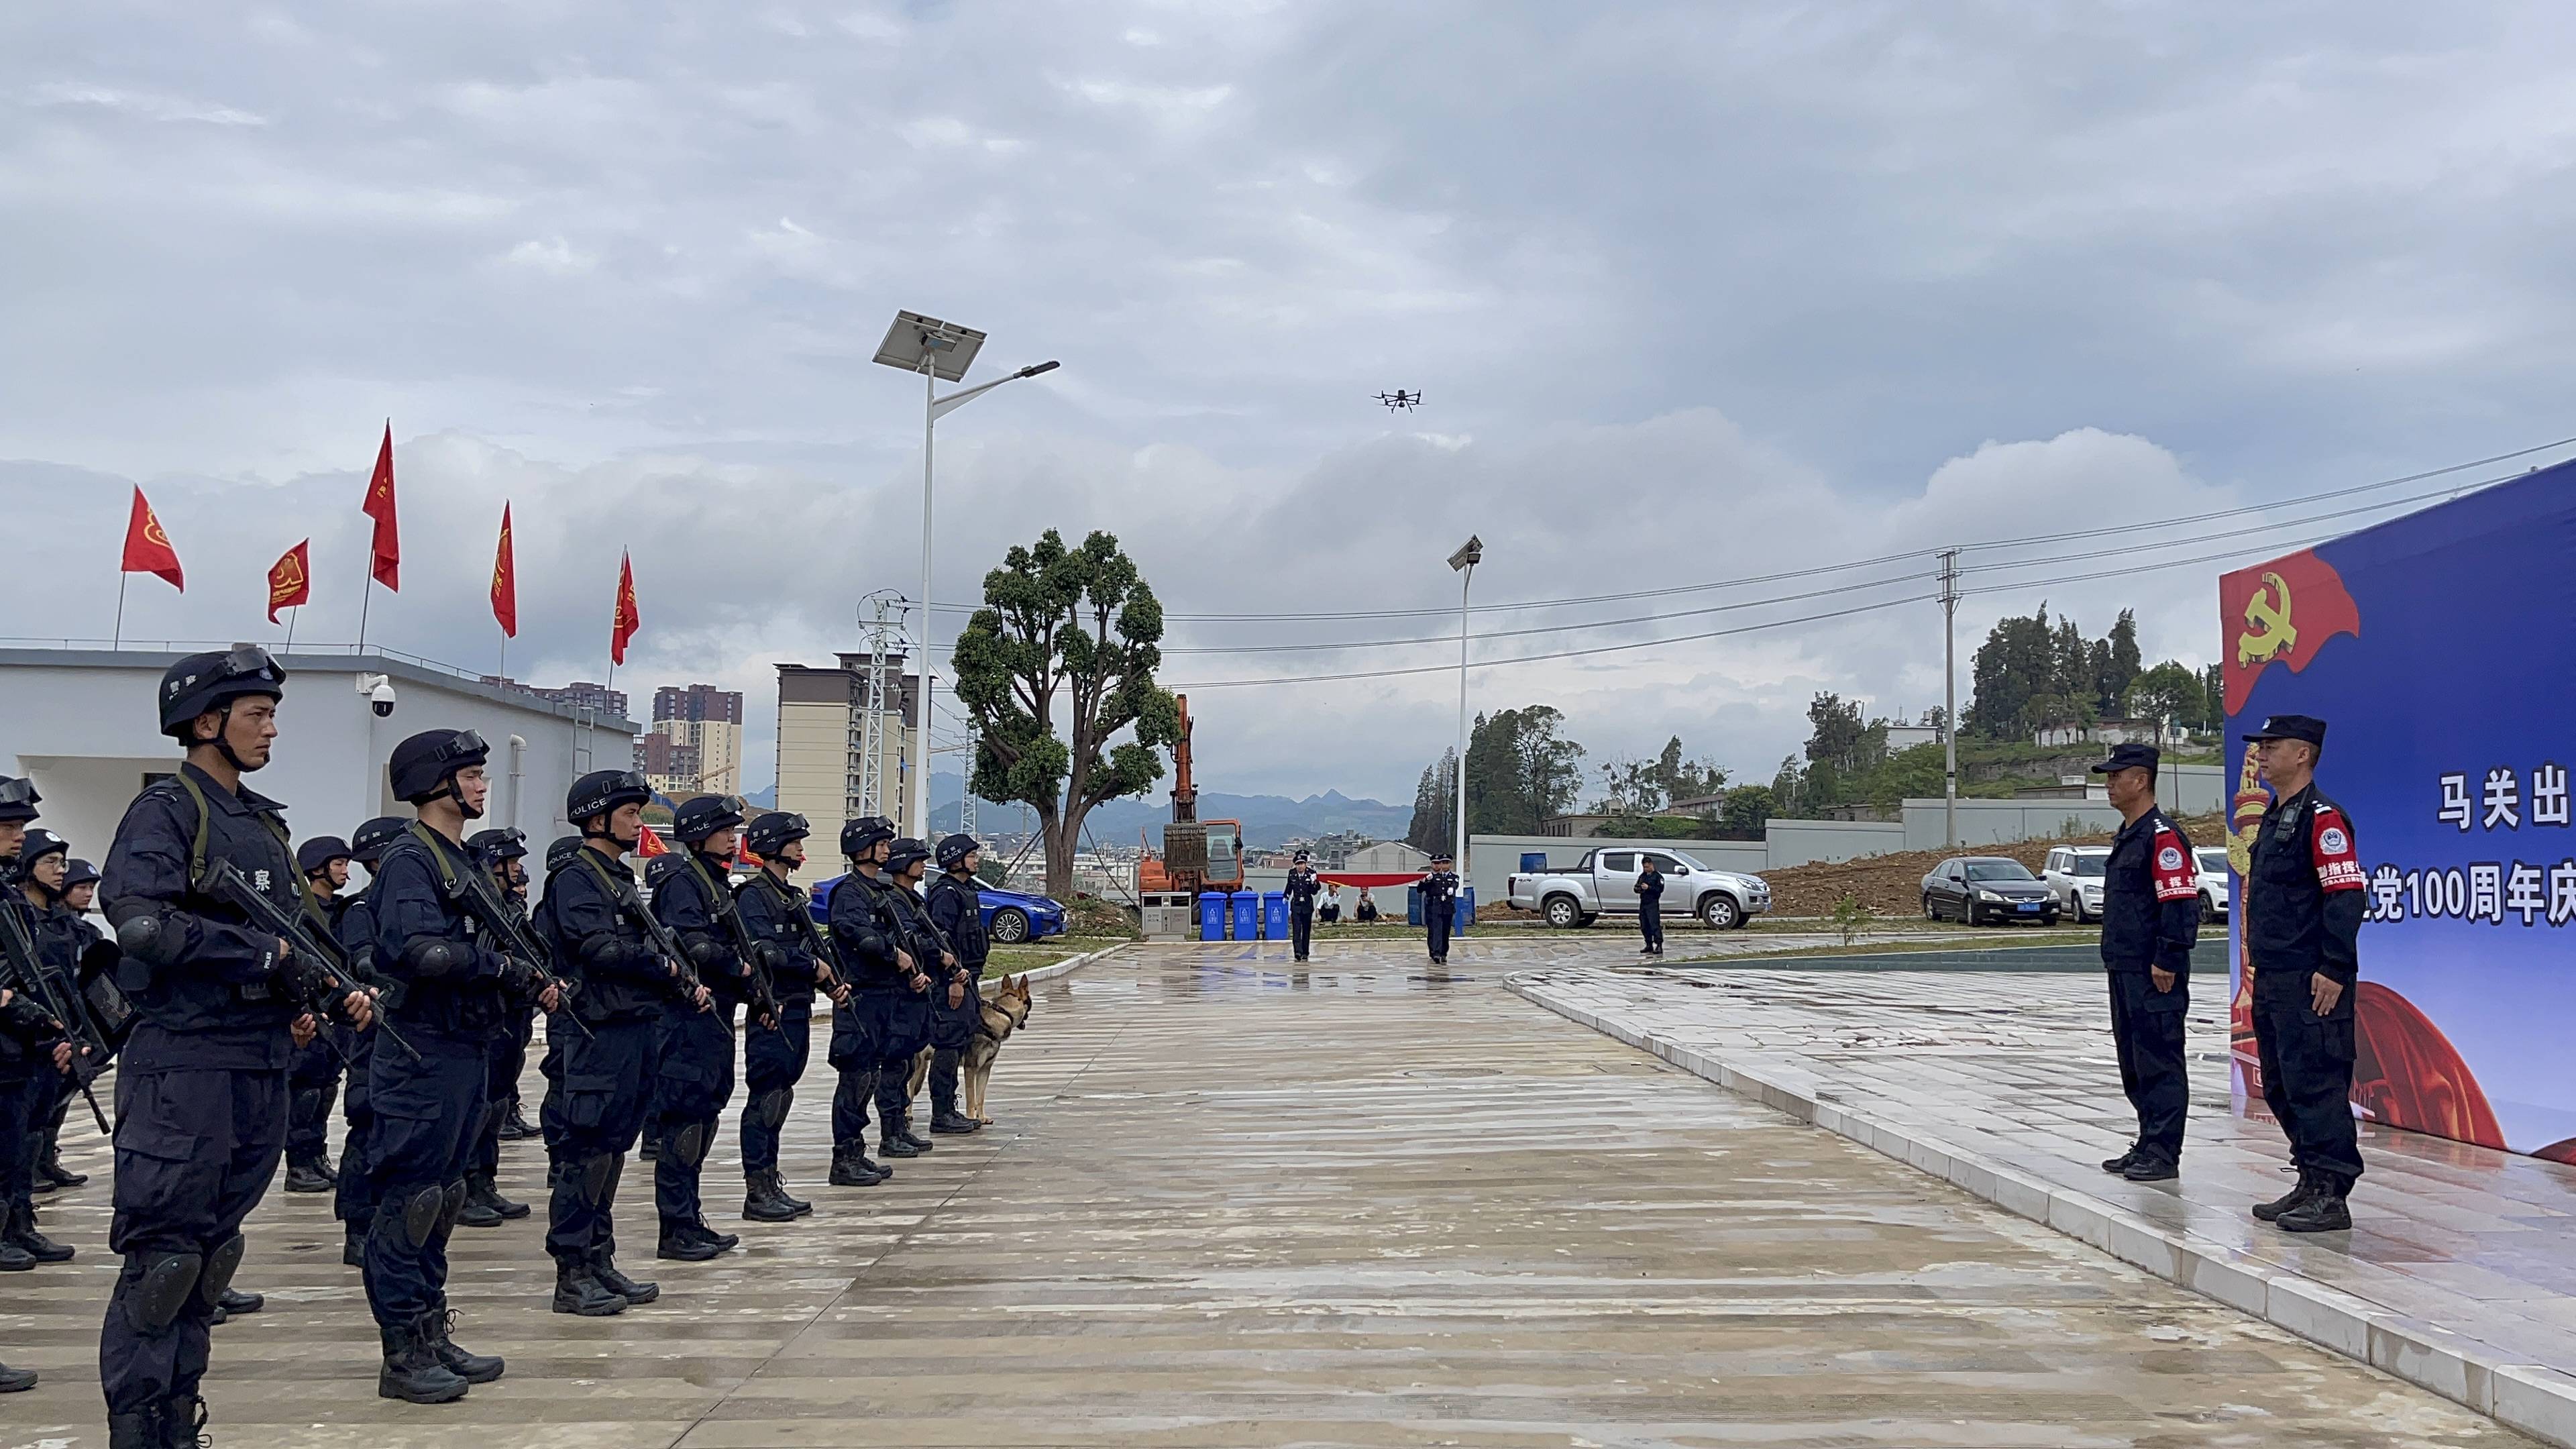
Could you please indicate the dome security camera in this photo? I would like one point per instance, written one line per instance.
(379, 691)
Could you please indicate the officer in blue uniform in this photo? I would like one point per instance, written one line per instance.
(956, 909)
(2150, 921)
(692, 897)
(1303, 887)
(1439, 889)
(499, 852)
(868, 953)
(313, 1072)
(2303, 906)
(908, 1016)
(596, 925)
(201, 1086)
(777, 916)
(1650, 905)
(354, 1202)
(429, 1101)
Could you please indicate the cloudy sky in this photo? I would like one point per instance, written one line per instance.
(1695, 294)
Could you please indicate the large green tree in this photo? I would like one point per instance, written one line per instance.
(1520, 770)
(1435, 804)
(1075, 633)
(2032, 671)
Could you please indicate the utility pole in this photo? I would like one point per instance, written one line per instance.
(1949, 699)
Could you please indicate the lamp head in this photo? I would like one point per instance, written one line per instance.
(1469, 554)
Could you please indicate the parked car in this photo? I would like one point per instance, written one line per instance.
(1009, 916)
(2074, 876)
(1981, 888)
(2213, 882)
(1604, 883)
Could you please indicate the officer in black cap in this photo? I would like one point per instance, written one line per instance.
(354, 1202)
(777, 915)
(596, 923)
(429, 1101)
(867, 946)
(2303, 905)
(692, 897)
(1439, 890)
(29, 1094)
(201, 1087)
(499, 852)
(908, 1018)
(1303, 886)
(2150, 921)
(956, 909)
(313, 1072)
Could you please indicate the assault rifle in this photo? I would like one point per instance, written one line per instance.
(531, 961)
(763, 997)
(799, 905)
(89, 1054)
(316, 971)
(623, 892)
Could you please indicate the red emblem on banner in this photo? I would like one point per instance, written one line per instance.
(2280, 612)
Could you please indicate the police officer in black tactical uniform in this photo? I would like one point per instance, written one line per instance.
(429, 1101)
(956, 909)
(691, 896)
(1439, 890)
(94, 990)
(596, 924)
(868, 952)
(1303, 887)
(777, 916)
(2303, 905)
(2150, 921)
(30, 1040)
(499, 853)
(34, 1045)
(57, 936)
(313, 1073)
(201, 1086)
(908, 1018)
(354, 1203)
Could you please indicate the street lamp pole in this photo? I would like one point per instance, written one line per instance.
(1469, 554)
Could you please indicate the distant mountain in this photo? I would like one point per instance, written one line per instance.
(1267, 819)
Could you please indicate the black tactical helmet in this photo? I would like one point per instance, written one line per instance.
(494, 846)
(79, 872)
(424, 767)
(563, 852)
(866, 831)
(17, 800)
(770, 833)
(954, 850)
(202, 682)
(314, 855)
(602, 791)
(367, 844)
(907, 853)
(39, 844)
(704, 816)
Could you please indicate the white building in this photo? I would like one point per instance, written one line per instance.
(83, 725)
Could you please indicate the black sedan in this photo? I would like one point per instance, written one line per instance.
(1981, 888)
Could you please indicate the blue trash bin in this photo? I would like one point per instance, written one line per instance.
(1413, 905)
(1247, 908)
(1274, 915)
(1463, 911)
(1212, 915)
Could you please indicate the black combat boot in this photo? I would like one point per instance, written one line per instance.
(353, 1247)
(606, 1274)
(680, 1245)
(515, 1127)
(578, 1292)
(240, 1304)
(412, 1371)
(762, 1202)
(778, 1189)
(309, 1176)
(184, 1422)
(903, 1129)
(51, 1170)
(2321, 1211)
(724, 1242)
(138, 1431)
(16, 1381)
(474, 1368)
(892, 1144)
(24, 1237)
(476, 1213)
(481, 1192)
(851, 1167)
(2271, 1211)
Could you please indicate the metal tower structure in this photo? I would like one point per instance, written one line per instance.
(869, 795)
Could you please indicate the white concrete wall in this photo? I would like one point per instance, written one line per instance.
(2001, 822)
(1802, 842)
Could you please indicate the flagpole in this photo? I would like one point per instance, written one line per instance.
(366, 596)
(291, 616)
(118, 642)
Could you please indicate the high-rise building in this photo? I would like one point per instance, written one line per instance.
(833, 766)
(695, 744)
(599, 699)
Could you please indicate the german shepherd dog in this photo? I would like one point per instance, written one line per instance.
(1005, 1011)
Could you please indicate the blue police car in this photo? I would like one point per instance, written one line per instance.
(1009, 916)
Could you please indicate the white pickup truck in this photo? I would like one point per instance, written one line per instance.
(1604, 883)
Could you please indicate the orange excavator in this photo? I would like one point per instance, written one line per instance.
(1198, 855)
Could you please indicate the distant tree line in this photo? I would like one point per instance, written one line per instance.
(2035, 671)
(1521, 769)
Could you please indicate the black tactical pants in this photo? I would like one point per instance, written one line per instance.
(2146, 1031)
(2307, 1078)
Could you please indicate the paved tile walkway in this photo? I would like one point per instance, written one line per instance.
(1232, 1203)
(2016, 1071)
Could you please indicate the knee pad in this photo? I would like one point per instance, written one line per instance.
(599, 1179)
(420, 1214)
(308, 1105)
(221, 1264)
(688, 1146)
(771, 1106)
(451, 1206)
(161, 1288)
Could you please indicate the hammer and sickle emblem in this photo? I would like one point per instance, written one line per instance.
(2271, 634)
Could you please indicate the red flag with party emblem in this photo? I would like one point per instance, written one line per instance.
(384, 560)
(147, 548)
(505, 581)
(2280, 612)
(627, 620)
(290, 580)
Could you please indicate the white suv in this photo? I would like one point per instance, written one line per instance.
(2213, 881)
(2074, 876)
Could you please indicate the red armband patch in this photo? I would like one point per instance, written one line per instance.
(2331, 846)
(2171, 867)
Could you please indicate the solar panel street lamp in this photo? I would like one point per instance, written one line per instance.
(940, 352)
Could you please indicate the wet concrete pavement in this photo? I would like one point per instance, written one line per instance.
(1232, 1204)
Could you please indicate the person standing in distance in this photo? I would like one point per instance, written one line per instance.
(956, 909)
(2150, 921)
(29, 1040)
(354, 1202)
(908, 1018)
(1650, 904)
(2303, 906)
(313, 1074)
(59, 936)
(1439, 891)
(28, 1085)
(691, 898)
(777, 916)
(499, 852)
(1303, 887)
(201, 1086)
(867, 942)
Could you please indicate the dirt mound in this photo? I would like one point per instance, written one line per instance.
(1892, 885)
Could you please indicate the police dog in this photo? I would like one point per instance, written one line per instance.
(1005, 1011)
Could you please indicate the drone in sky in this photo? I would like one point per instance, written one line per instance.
(1400, 399)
